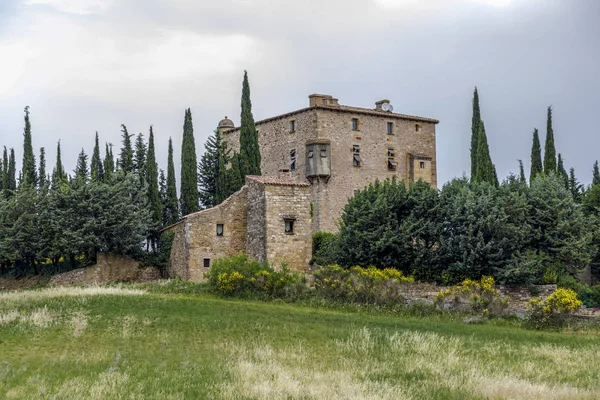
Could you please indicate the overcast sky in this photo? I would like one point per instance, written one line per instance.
(90, 65)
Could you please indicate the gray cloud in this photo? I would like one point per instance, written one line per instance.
(91, 65)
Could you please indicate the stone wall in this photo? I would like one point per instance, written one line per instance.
(109, 268)
(196, 238)
(257, 213)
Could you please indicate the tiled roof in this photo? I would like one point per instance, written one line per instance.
(269, 180)
(347, 109)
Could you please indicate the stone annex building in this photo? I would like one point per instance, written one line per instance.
(313, 159)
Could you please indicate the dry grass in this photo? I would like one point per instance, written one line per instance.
(62, 291)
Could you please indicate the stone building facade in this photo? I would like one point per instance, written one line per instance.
(312, 161)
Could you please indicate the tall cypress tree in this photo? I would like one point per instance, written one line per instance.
(475, 122)
(561, 171)
(153, 194)
(12, 171)
(536, 157)
(5, 169)
(550, 149)
(595, 174)
(126, 160)
(2, 173)
(109, 163)
(574, 186)
(42, 169)
(58, 175)
(139, 159)
(96, 168)
(189, 173)
(171, 202)
(485, 171)
(522, 178)
(249, 149)
(29, 173)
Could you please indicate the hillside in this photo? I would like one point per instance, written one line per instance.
(109, 343)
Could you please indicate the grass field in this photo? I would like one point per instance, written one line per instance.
(123, 343)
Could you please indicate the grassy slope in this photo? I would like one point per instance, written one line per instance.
(177, 346)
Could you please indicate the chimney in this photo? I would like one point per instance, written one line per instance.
(322, 100)
(380, 103)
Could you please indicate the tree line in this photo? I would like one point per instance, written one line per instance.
(115, 203)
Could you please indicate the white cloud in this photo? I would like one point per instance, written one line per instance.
(81, 7)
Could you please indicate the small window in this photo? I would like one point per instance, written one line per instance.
(422, 164)
(390, 128)
(310, 154)
(418, 128)
(391, 153)
(354, 124)
(220, 229)
(207, 263)
(323, 153)
(293, 160)
(292, 126)
(289, 226)
(356, 160)
(392, 160)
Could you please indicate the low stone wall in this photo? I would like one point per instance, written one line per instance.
(109, 268)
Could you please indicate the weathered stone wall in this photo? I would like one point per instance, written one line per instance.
(109, 268)
(257, 213)
(196, 237)
(288, 202)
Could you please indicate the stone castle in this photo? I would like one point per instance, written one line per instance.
(313, 159)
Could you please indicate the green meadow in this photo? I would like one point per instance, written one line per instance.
(125, 342)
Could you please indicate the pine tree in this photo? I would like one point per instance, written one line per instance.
(522, 178)
(485, 171)
(81, 169)
(536, 157)
(126, 160)
(153, 194)
(249, 149)
(595, 174)
(171, 203)
(96, 168)
(550, 149)
(475, 122)
(212, 179)
(59, 177)
(189, 173)
(575, 187)
(109, 163)
(42, 169)
(29, 173)
(139, 159)
(561, 171)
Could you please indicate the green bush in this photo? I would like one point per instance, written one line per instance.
(324, 248)
(360, 285)
(242, 275)
(160, 257)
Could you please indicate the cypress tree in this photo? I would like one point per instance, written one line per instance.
(2, 173)
(81, 169)
(595, 174)
(139, 159)
(211, 171)
(475, 122)
(153, 194)
(561, 172)
(522, 178)
(249, 149)
(189, 173)
(126, 160)
(536, 157)
(485, 171)
(96, 167)
(223, 182)
(162, 192)
(12, 171)
(549, 150)
(5, 169)
(29, 173)
(574, 186)
(58, 175)
(42, 170)
(171, 202)
(109, 163)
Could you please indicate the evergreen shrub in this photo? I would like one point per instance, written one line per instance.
(324, 248)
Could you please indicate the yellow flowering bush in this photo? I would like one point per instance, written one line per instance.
(481, 296)
(229, 283)
(360, 285)
(552, 311)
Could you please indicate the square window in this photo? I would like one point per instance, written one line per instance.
(323, 153)
(390, 128)
(310, 154)
(356, 149)
(422, 164)
(292, 126)
(207, 263)
(418, 128)
(220, 229)
(354, 124)
(289, 226)
(392, 164)
(293, 160)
